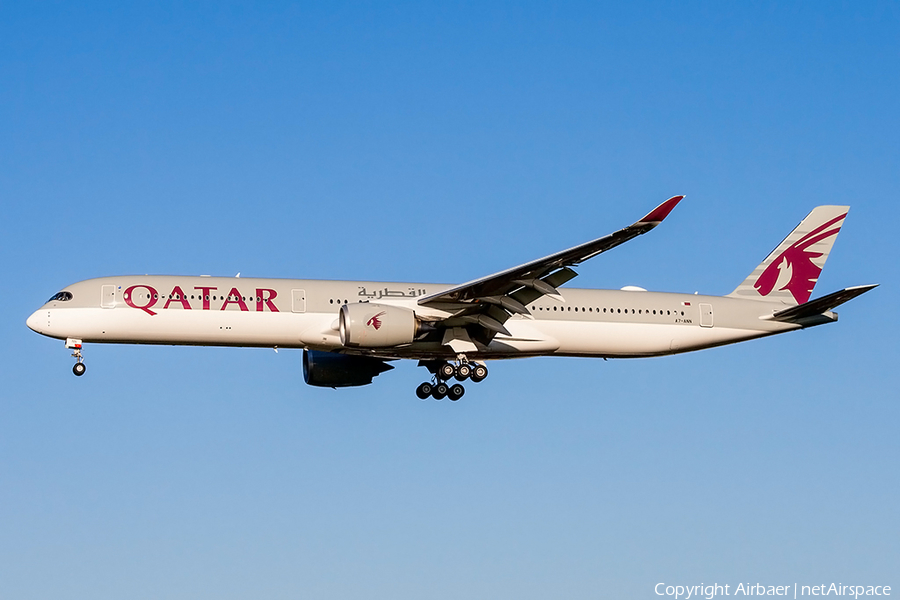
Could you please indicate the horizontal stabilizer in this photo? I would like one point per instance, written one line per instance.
(819, 306)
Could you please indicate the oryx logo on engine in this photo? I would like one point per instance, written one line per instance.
(375, 321)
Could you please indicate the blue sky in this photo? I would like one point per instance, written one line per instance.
(441, 142)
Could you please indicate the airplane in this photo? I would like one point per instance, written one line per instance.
(350, 330)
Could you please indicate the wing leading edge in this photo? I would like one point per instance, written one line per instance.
(483, 305)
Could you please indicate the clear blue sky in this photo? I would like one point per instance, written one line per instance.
(441, 142)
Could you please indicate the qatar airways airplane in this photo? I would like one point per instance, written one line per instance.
(350, 330)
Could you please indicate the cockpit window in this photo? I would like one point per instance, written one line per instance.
(61, 297)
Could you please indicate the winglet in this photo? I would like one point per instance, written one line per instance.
(662, 211)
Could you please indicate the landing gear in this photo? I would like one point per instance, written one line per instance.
(79, 367)
(463, 372)
(424, 390)
(443, 372)
(447, 371)
(479, 373)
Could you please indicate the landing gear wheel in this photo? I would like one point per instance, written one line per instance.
(479, 373)
(424, 390)
(463, 372)
(79, 369)
(446, 371)
(440, 391)
(456, 392)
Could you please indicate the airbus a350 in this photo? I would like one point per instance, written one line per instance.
(350, 331)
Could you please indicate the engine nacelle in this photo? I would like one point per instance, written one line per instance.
(328, 369)
(366, 325)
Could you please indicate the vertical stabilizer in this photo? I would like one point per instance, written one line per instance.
(790, 272)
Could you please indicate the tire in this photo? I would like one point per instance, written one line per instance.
(479, 373)
(446, 371)
(79, 369)
(456, 392)
(440, 391)
(463, 372)
(424, 390)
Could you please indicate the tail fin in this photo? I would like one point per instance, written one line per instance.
(790, 272)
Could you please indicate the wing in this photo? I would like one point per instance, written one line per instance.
(482, 306)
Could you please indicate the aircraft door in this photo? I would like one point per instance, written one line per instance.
(298, 301)
(108, 296)
(706, 315)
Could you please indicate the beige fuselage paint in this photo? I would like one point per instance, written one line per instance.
(329, 316)
(297, 313)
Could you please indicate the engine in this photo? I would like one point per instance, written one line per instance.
(327, 369)
(368, 325)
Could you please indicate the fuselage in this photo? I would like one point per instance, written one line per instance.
(303, 313)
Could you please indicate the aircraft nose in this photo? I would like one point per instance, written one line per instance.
(33, 321)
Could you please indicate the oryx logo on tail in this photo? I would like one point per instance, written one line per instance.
(794, 269)
(790, 272)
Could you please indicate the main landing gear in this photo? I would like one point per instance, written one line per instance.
(79, 367)
(443, 372)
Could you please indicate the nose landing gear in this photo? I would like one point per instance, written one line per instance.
(444, 372)
(79, 368)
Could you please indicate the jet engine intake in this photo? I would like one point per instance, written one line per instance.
(329, 369)
(367, 325)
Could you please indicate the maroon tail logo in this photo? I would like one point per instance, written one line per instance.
(375, 321)
(794, 269)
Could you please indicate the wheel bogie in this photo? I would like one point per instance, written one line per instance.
(443, 372)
